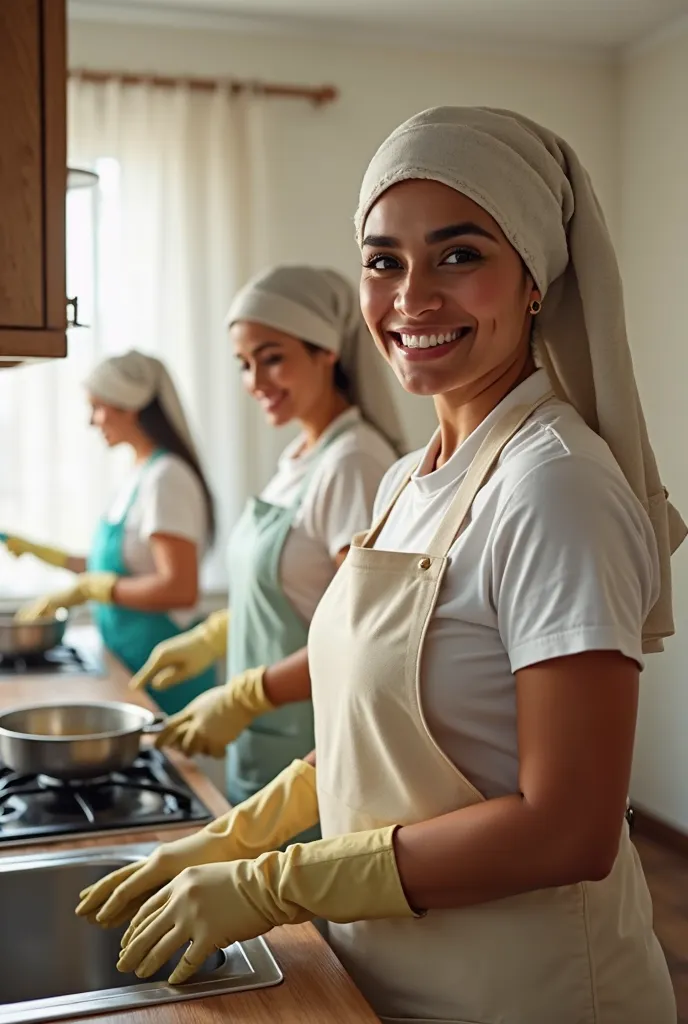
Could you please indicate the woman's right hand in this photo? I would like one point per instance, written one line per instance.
(115, 898)
(186, 655)
(19, 546)
(285, 807)
(214, 719)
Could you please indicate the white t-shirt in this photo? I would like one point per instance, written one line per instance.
(558, 557)
(169, 500)
(338, 503)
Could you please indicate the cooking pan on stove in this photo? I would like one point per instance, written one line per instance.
(74, 741)
(25, 639)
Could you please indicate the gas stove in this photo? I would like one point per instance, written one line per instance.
(65, 660)
(151, 794)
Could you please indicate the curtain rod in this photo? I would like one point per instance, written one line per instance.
(318, 95)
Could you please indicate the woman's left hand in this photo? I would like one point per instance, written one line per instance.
(89, 586)
(210, 906)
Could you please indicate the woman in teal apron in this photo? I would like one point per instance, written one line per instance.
(305, 356)
(142, 571)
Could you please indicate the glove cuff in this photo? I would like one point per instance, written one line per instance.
(247, 691)
(214, 632)
(347, 878)
(99, 586)
(285, 807)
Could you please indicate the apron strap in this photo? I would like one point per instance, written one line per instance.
(369, 538)
(311, 470)
(477, 474)
(157, 454)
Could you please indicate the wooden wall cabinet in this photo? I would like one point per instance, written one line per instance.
(33, 179)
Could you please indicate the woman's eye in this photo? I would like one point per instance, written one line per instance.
(272, 361)
(462, 255)
(381, 261)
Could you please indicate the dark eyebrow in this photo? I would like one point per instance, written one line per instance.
(264, 345)
(467, 227)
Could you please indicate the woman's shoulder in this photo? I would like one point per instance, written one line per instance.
(359, 446)
(556, 442)
(169, 473)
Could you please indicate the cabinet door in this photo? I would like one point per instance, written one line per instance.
(32, 178)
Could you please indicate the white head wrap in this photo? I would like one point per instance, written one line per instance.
(319, 306)
(132, 381)
(534, 186)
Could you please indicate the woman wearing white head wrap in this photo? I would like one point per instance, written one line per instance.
(475, 661)
(305, 355)
(142, 572)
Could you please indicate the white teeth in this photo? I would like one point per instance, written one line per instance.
(428, 340)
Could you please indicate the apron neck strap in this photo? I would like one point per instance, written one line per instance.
(478, 473)
(157, 454)
(374, 532)
(317, 455)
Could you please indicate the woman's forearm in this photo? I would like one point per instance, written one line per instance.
(492, 850)
(289, 680)
(154, 593)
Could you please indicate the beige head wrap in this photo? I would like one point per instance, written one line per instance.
(533, 185)
(132, 381)
(320, 306)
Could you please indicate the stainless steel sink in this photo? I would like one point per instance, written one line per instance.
(55, 965)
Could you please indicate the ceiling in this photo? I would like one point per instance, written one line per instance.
(595, 24)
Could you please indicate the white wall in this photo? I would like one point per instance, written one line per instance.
(654, 256)
(318, 156)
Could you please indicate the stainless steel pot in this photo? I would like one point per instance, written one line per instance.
(27, 638)
(73, 741)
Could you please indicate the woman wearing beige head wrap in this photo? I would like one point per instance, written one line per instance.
(143, 569)
(475, 662)
(305, 355)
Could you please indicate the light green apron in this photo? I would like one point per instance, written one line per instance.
(265, 628)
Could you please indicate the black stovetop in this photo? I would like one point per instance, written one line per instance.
(62, 660)
(150, 794)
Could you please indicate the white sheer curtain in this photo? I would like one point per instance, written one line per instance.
(155, 253)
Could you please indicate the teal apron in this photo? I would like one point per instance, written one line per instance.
(265, 628)
(130, 634)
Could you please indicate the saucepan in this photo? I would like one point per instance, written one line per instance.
(27, 638)
(74, 741)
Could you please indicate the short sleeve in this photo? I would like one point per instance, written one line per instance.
(574, 563)
(343, 502)
(171, 501)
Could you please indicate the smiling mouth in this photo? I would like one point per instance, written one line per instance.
(273, 404)
(411, 341)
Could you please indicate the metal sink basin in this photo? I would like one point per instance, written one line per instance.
(55, 965)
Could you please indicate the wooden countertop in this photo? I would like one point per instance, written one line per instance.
(316, 988)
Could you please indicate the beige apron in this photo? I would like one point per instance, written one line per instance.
(580, 954)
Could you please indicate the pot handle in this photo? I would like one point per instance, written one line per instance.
(155, 726)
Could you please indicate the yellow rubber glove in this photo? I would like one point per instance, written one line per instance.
(348, 878)
(88, 586)
(286, 806)
(19, 546)
(216, 717)
(186, 655)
